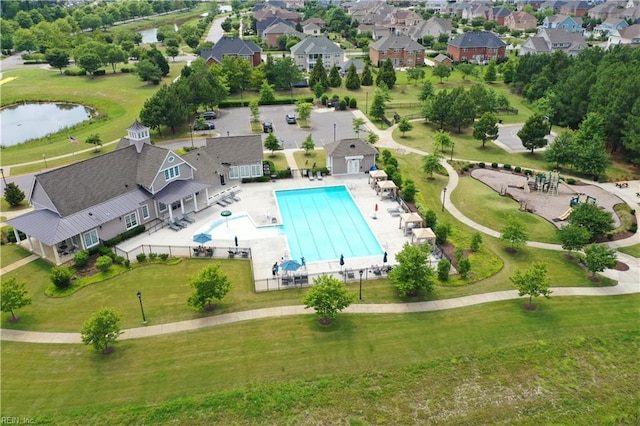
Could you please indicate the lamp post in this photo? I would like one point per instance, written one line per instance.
(191, 132)
(452, 146)
(334, 132)
(361, 271)
(444, 193)
(144, 319)
(3, 178)
(366, 102)
(44, 157)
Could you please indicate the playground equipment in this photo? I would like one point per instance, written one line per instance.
(547, 182)
(564, 215)
(576, 200)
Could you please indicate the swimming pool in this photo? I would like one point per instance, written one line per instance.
(324, 223)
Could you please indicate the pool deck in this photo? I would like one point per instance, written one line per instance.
(258, 201)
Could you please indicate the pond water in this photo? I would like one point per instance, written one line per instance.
(151, 35)
(23, 122)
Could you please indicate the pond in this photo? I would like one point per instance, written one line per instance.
(23, 122)
(151, 35)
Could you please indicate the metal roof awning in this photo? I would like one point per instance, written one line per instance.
(179, 189)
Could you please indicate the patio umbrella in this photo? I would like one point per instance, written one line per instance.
(384, 258)
(341, 261)
(290, 265)
(236, 240)
(202, 238)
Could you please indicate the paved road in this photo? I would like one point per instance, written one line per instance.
(509, 141)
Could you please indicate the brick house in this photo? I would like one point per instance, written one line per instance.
(476, 47)
(233, 47)
(520, 21)
(402, 50)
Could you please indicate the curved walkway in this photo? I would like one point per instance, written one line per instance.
(628, 282)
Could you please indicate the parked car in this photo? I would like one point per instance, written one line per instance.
(291, 118)
(208, 115)
(333, 102)
(267, 127)
(203, 125)
(302, 83)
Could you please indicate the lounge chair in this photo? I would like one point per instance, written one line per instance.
(208, 252)
(393, 209)
(350, 274)
(234, 197)
(311, 175)
(180, 223)
(232, 253)
(395, 213)
(188, 219)
(319, 175)
(173, 226)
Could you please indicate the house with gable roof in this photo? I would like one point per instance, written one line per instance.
(77, 207)
(498, 14)
(317, 48)
(275, 31)
(520, 21)
(433, 27)
(567, 23)
(350, 156)
(610, 25)
(402, 50)
(610, 9)
(233, 46)
(629, 36)
(550, 40)
(476, 47)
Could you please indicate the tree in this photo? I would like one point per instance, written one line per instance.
(443, 140)
(533, 282)
(334, 79)
(61, 276)
(24, 39)
(465, 69)
(327, 296)
(209, 284)
(387, 74)
(308, 145)
(533, 132)
(573, 237)
(476, 241)
(304, 110)
(464, 267)
(58, 58)
(438, 108)
(102, 330)
(255, 110)
(431, 163)
(514, 233)
(412, 273)
(358, 124)
(590, 138)
(415, 74)
(490, 74)
(147, 70)
(562, 150)
(94, 139)
(318, 90)
(367, 77)
(426, 91)
(173, 51)
(442, 231)
(589, 216)
(444, 267)
(441, 72)
(267, 95)
(319, 75)
(486, 128)
(598, 257)
(372, 138)
(463, 110)
(89, 61)
(405, 126)
(378, 106)
(13, 295)
(352, 80)
(285, 73)
(272, 143)
(13, 194)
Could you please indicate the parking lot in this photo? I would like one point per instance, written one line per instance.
(325, 124)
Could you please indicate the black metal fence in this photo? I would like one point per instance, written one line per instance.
(185, 251)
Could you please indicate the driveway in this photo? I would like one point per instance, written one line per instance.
(509, 141)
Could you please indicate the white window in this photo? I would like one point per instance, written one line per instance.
(90, 238)
(233, 172)
(162, 207)
(145, 212)
(131, 220)
(256, 169)
(245, 171)
(172, 173)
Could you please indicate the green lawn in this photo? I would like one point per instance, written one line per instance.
(573, 361)
(10, 253)
(633, 250)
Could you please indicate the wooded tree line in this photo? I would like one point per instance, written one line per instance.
(567, 88)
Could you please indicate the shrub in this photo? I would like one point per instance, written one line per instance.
(347, 99)
(494, 165)
(103, 263)
(61, 276)
(125, 236)
(571, 181)
(125, 70)
(465, 168)
(528, 172)
(106, 251)
(353, 103)
(127, 263)
(11, 236)
(324, 99)
(81, 258)
(471, 165)
(153, 256)
(444, 266)
(118, 260)
(99, 72)
(518, 169)
(507, 166)
(164, 256)
(481, 165)
(141, 257)
(343, 105)
(442, 232)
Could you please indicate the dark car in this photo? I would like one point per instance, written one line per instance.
(291, 118)
(333, 102)
(267, 127)
(208, 115)
(203, 125)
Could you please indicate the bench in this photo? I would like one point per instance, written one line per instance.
(622, 184)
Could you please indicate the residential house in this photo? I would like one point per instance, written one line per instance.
(610, 25)
(370, 12)
(631, 14)
(555, 5)
(399, 20)
(402, 50)
(575, 8)
(274, 32)
(610, 9)
(237, 47)
(550, 40)
(475, 10)
(442, 60)
(317, 48)
(535, 4)
(435, 5)
(76, 207)
(629, 36)
(273, 11)
(358, 63)
(261, 26)
(521, 21)
(567, 23)
(433, 27)
(498, 14)
(312, 29)
(477, 47)
(350, 156)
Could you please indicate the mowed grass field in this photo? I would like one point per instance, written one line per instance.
(573, 361)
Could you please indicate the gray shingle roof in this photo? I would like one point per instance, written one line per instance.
(315, 44)
(230, 46)
(477, 39)
(396, 42)
(347, 147)
(236, 150)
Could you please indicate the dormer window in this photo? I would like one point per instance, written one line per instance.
(172, 173)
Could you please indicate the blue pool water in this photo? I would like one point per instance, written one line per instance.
(324, 223)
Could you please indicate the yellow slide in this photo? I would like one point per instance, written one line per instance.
(566, 214)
